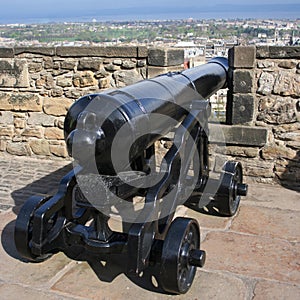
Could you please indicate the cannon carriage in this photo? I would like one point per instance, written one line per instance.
(111, 136)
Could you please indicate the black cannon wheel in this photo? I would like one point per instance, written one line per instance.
(23, 229)
(177, 274)
(228, 198)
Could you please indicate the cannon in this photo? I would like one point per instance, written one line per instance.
(111, 136)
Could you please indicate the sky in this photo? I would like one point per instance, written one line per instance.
(15, 10)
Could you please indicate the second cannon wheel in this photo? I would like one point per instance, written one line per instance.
(177, 274)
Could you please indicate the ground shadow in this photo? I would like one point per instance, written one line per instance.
(7, 241)
(290, 179)
(46, 185)
(114, 266)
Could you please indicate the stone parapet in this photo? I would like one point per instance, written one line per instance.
(265, 93)
(39, 84)
(164, 58)
(238, 135)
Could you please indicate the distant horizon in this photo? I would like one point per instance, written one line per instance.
(151, 13)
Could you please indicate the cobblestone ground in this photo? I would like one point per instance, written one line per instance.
(255, 255)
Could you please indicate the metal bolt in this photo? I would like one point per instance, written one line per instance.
(197, 258)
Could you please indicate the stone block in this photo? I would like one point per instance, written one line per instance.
(104, 83)
(287, 84)
(37, 118)
(287, 64)
(92, 64)
(117, 62)
(277, 110)
(35, 67)
(6, 52)
(95, 51)
(250, 152)
(238, 135)
(165, 57)
(19, 123)
(262, 52)
(59, 122)
(59, 150)
(54, 133)
(14, 73)
(111, 67)
(7, 131)
(276, 291)
(25, 102)
(69, 64)
(155, 71)
(40, 147)
(48, 62)
(253, 256)
(266, 83)
(242, 56)
(126, 77)
(74, 93)
(141, 63)
(271, 152)
(3, 145)
(258, 168)
(271, 196)
(142, 52)
(57, 92)
(242, 81)
(20, 149)
(64, 81)
(5, 101)
(240, 109)
(49, 51)
(56, 106)
(84, 79)
(274, 223)
(6, 117)
(284, 51)
(46, 80)
(33, 132)
(127, 64)
(264, 64)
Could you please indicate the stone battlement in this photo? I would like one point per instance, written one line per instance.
(38, 84)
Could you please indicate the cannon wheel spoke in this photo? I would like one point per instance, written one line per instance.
(177, 274)
(24, 227)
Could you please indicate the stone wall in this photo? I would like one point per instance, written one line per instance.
(262, 130)
(265, 95)
(38, 85)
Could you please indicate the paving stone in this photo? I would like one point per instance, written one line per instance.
(13, 292)
(254, 247)
(252, 256)
(208, 221)
(276, 223)
(272, 196)
(206, 286)
(276, 291)
(17, 271)
(5, 218)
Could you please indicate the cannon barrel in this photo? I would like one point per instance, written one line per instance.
(93, 121)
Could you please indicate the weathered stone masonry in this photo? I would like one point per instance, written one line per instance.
(265, 95)
(37, 85)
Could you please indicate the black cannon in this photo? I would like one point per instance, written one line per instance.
(111, 136)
